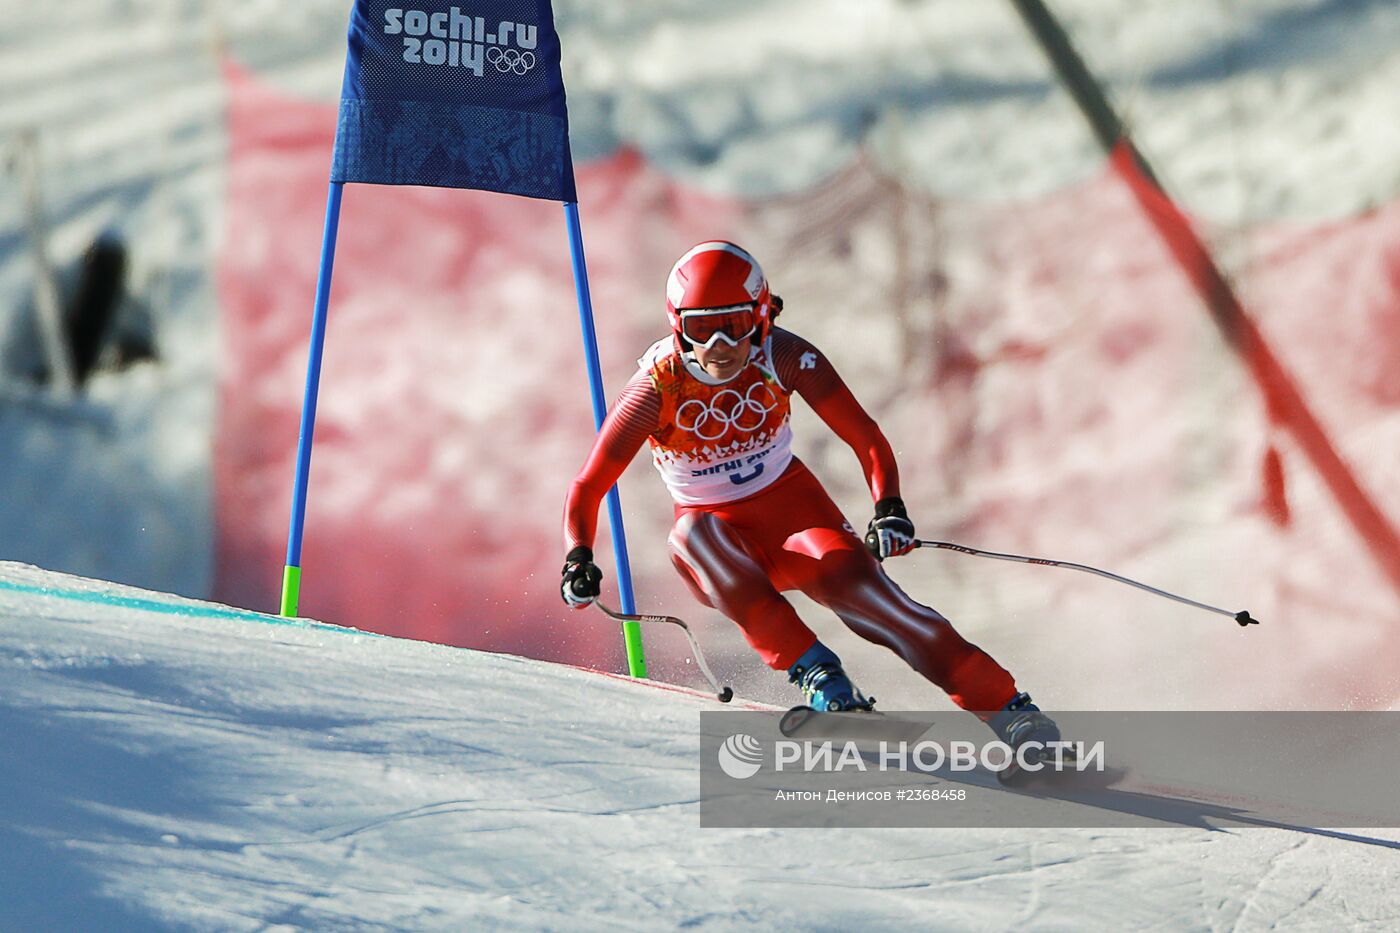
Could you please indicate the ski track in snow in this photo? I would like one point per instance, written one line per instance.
(175, 764)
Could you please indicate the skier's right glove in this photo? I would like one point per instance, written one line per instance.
(582, 578)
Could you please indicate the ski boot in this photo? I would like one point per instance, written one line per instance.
(1021, 721)
(819, 675)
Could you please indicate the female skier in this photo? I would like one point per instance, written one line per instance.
(714, 399)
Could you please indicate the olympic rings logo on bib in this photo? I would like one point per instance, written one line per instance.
(510, 59)
(728, 409)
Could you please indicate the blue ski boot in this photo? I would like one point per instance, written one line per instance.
(825, 685)
(1021, 721)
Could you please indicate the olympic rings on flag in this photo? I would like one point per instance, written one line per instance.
(727, 409)
(510, 59)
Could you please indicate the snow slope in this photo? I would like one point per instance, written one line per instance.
(171, 764)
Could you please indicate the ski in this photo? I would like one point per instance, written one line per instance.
(803, 722)
(1053, 769)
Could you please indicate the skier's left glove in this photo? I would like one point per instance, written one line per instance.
(891, 533)
(582, 578)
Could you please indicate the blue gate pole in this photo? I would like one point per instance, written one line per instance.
(632, 631)
(291, 573)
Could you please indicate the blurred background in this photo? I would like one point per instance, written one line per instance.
(921, 190)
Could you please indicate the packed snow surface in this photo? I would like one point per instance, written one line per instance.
(171, 764)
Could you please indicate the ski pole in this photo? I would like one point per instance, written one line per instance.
(723, 694)
(1242, 617)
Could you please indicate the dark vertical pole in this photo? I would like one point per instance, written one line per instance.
(1078, 81)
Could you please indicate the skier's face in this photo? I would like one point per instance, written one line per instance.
(722, 361)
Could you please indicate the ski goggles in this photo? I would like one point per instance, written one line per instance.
(706, 327)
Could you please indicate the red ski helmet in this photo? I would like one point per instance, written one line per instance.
(717, 274)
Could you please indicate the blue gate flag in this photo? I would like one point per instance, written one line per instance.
(465, 94)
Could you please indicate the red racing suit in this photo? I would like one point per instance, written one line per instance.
(752, 520)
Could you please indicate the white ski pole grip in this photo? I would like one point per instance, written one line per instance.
(722, 693)
(1242, 618)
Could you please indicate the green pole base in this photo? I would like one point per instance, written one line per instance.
(636, 660)
(291, 591)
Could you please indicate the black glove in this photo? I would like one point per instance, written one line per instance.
(891, 533)
(582, 578)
